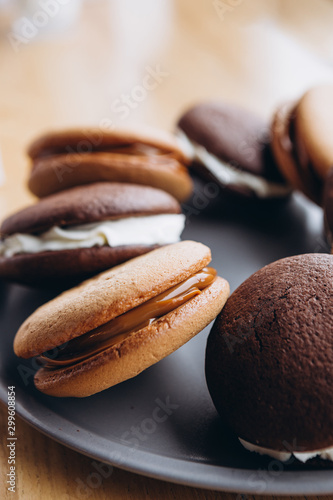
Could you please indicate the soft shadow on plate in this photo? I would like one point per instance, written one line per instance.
(245, 235)
(295, 222)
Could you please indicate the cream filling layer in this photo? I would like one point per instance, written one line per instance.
(284, 456)
(226, 174)
(160, 229)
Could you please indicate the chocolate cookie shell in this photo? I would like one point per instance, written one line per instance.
(91, 203)
(240, 140)
(269, 357)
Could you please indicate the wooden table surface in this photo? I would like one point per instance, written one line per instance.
(256, 53)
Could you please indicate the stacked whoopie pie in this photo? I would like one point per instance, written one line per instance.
(107, 199)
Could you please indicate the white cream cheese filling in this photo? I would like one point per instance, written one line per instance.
(160, 229)
(284, 456)
(229, 175)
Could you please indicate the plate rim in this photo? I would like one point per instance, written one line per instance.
(191, 473)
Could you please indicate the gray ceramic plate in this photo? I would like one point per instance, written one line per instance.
(163, 424)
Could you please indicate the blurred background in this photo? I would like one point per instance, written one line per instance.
(114, 63)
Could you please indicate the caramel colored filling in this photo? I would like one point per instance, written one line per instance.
(122, 326)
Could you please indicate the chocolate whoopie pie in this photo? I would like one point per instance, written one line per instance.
(269, 359)
(302, 141)
(231, 146)
(69, 158)
(79, 232)
(117, 324)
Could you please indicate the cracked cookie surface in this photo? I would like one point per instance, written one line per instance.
(269, 358)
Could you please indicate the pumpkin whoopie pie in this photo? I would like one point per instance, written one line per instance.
(302, 141)
(113, 326)
(68, 158)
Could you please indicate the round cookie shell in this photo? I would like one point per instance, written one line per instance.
(92, 203)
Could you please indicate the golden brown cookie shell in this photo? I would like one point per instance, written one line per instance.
(56, 173)
(113, 292)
